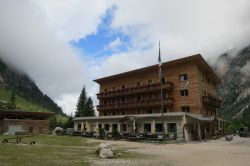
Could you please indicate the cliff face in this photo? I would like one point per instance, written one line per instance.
(25, 89)
(235, 88)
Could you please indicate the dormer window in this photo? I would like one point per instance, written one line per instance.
(183, 77)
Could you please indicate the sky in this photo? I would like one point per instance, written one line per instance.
(64, 45)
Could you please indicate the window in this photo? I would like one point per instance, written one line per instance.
(184, 92)
(106, 127)
(163, 80)
(114, 126)
(158, 127)
(100, 126)
(124, 127)
(123, 100)
(164, 110)
(113, 113)
(138, 83)
(165, 95)
(150, 111)
(79, 126)
(138, 98)
(114, 88)
(105, 90)
(185, 109)
(183, 77)
(105, 102)
(147, 127)
(138, 112)
(123, 112)
(105, 113)
(171, 127)
(123, 86)
(150, 82)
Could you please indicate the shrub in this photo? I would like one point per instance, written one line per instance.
(101, 133)
(115, 133)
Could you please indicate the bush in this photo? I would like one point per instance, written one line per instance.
(101, 133)
(115, 133)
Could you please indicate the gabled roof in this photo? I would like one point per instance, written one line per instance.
(197, 59)
(24, 114)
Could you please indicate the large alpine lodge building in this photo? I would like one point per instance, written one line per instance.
(131, 102)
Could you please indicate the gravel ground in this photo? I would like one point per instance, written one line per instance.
(210, 153)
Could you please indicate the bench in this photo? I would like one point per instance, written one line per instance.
(18, 139)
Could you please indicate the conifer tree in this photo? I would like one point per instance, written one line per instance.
(84, 106)
(13, 99)
(80, 107)
(90, 108)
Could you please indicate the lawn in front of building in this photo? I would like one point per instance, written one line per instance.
(48, 150)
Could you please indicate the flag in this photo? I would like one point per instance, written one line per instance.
(159, 57)
(159, 62)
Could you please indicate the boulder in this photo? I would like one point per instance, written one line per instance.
(229, 138)
(103, 145)
(105, 150)
(106, 153)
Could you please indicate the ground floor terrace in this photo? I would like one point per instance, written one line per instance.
(178, 126)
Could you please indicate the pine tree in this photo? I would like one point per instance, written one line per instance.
(90, 108)
(13, 99)
(80, 107)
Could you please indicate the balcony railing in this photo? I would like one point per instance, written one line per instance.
(135, 104)
(211, 101)
(134, 90)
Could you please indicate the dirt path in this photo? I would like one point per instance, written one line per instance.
(210, 153)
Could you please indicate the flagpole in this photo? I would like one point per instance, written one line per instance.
(162, 102)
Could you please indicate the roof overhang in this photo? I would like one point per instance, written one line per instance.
(138, 116)
(197, 59)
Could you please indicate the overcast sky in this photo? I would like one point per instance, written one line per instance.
(64, 45)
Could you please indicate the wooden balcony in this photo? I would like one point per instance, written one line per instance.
(135, 104)
(135, 90)
(211, 101)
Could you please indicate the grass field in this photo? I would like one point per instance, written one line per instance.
(52, 150)
(48, 150)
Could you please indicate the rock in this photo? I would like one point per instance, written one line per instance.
(103, 145)
(106, 153)
(229, 138)
(105, 150)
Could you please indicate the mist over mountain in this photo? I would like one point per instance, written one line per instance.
(234, 72)
(28, 96)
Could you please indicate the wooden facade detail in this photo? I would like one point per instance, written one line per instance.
(189, 85)
(27, 122)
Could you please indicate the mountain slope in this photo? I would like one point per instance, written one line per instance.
(28, 96)
(235, 89)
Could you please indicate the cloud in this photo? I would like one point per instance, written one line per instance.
(27, 43)
(185, 27)
(113, 45)
(75, 19)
